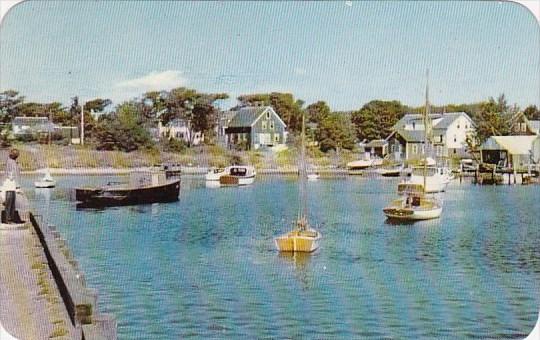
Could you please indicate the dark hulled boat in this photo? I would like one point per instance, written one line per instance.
(140, 190)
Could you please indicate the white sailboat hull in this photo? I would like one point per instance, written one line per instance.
(413, 215)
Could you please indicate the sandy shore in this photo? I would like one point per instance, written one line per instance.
(185, 170)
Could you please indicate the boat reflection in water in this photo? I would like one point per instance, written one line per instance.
(300, 261)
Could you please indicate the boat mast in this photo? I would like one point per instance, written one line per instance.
(302, 172)
(427, 128)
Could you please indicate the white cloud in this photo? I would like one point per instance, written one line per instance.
(154, 81)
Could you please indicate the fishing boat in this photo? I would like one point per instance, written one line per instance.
(232, 175)
(46, 182)
(302, 238)
(144, 187)
(416, 204)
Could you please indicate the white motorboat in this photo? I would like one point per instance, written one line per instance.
(232, 175)
(46, 182)
(431, 178)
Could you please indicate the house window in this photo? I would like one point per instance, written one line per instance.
(440, 138)
(267, 114)
(276, 137)
(413, 125)
(423, 148)
(458, 126)
(414, 148)
(439, 150)
(455, 138)
(523, 127)
(392, 148)
(264, 125)
(272, 125)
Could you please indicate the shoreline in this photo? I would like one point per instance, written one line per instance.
(184, 170)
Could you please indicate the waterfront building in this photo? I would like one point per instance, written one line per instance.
(511, 151)
(376, 147)
(255, 127)
(450, 133)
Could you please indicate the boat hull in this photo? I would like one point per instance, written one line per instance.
(298, 243)
(44, 184)
(407, 214)
(107, 197)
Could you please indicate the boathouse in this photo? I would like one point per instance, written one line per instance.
(255, 127)
(515, 152)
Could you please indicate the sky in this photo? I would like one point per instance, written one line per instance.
(345, 53)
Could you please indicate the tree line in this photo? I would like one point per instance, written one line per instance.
(126, 127)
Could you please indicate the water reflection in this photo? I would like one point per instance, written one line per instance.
(300, 262)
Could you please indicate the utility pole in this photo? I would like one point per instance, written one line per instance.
(82, 125)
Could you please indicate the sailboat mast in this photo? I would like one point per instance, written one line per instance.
(427, 128)
(302, 169)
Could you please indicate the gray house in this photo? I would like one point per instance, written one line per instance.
(255, 127)
(450, 133)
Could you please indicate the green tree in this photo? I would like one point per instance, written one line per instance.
(10, 100)
(317, 112)
(532, 112)
(335, 132)
(490, 121)
(122, 130)
(376, 119)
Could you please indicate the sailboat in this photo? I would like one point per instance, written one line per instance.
(302, 238)
(46, 181)
(415, 203)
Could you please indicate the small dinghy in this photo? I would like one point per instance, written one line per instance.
(46, 182)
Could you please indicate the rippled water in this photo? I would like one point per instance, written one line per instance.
(206, 266)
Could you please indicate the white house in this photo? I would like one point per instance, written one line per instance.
(178, 129)
(450, 133)
(32, 126)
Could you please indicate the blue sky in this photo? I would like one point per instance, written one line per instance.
(344, 53)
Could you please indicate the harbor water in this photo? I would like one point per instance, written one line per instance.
(206, 266)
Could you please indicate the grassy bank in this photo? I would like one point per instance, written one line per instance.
(37, 156)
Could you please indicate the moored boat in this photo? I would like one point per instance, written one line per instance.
(416, 204)
(415, 207)
(46, 182)
(143, 188)
(302, 238)
(232, 175)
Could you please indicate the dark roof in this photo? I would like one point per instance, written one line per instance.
(412, 135)
(376, 143)
(439, 127)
